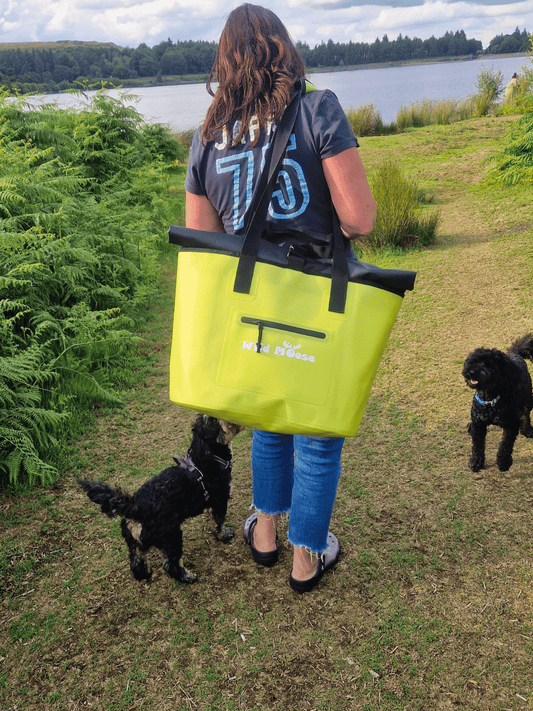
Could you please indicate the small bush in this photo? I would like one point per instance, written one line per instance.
(399, 223)
(466, 108)
(406, 117)
(159, 141)
(184, 138)
(365, 120)
(490, 82)
(490, 88)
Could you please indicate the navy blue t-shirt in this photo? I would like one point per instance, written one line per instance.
(301, 200)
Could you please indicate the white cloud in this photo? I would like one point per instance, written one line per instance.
(61, 16)
(8, 26)
(130, 22)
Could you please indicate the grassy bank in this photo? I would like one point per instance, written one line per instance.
(431, 604)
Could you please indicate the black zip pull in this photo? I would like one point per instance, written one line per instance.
(260, 335)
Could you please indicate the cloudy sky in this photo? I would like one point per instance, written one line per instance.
(128, 23)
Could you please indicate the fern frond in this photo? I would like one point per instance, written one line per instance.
(86, 386)
(7, 305)
(11, 283)
(25, 367)
(19, 457)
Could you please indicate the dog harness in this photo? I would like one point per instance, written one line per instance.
(190, 466)
(486, 402)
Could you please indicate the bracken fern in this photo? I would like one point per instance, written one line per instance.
(513, 163)
(83, 206)
(26, 429)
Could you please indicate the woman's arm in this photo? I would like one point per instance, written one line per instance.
(350, 192)
(200, 214)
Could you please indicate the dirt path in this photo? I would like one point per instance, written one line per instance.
(469, 296)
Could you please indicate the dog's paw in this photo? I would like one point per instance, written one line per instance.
(178, 572)
(225, 535)
(140, 569)
(504, 462)
(186, 576)
(476, 463)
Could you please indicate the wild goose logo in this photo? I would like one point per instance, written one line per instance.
(287, 350)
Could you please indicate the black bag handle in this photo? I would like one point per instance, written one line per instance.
(259, 207)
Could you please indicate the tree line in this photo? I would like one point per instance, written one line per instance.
(331, 54)
(57, 66)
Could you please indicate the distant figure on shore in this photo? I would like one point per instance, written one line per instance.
(511, 87)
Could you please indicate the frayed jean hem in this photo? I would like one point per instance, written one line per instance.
(303, 545)
(284, 515)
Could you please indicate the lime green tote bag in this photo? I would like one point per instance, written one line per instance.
(275, 340)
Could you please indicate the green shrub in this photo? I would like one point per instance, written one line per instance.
(84, 211)
(159, 140)
(445, 111)
(490, 88)
(184, 138)
(399, 222)
(466, 108)
(26, 428)
(365, 120)
(415, 115)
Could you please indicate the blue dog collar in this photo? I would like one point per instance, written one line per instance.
(486, 402)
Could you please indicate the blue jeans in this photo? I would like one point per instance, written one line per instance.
(297, 474)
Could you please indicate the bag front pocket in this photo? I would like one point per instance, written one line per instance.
(266, 355)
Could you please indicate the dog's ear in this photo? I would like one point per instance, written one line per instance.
(508, 370)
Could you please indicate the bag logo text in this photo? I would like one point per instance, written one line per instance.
(287, 350)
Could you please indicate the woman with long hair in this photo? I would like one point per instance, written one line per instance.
(256, 68)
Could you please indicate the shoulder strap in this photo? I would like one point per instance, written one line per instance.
(263, 192)
(259, 206)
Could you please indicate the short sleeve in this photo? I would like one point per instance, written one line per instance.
(193, 183)
(331, 128)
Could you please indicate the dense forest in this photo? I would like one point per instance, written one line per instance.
(56, 66)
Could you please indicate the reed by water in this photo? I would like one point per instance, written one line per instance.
(366, 119)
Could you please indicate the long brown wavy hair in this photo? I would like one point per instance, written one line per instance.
(256, 66)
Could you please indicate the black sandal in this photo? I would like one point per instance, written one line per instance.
(267, 559)
(326, 561)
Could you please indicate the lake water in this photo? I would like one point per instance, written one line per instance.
(184, 106)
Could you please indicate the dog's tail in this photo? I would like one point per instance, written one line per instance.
(113, 502)
(523, 346)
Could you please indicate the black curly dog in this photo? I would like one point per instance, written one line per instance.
(503, 398)
(152, 516)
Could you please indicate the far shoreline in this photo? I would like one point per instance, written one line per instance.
(202, 78)
(416, 62)
(178, 80)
